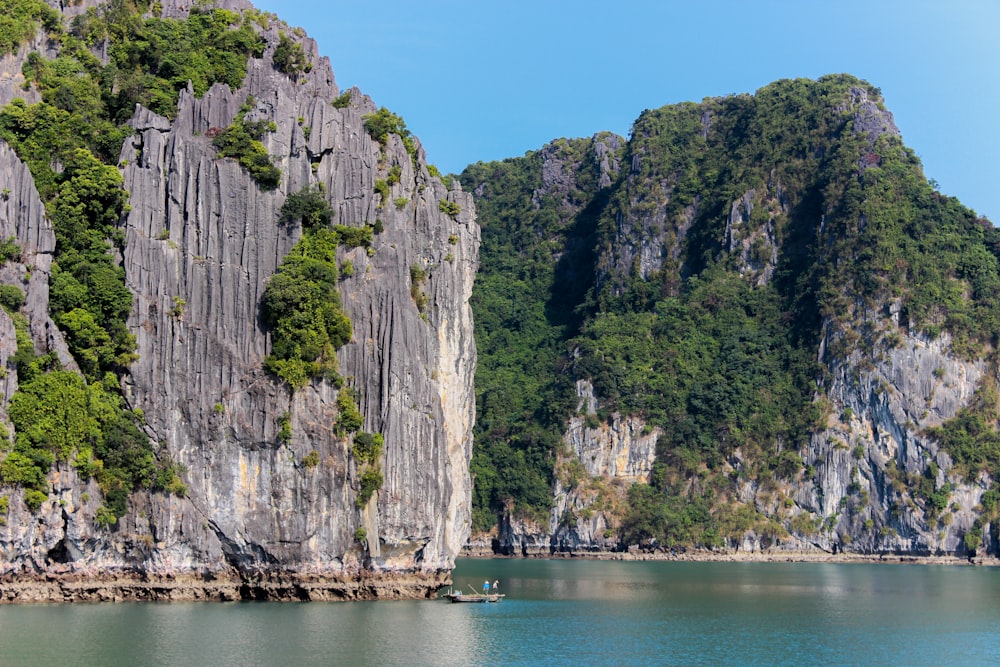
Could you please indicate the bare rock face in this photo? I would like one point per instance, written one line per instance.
(646, 238)
(614, 456)
(622, 449)
(755, 246)
(875, 438)
(202, 240)
(869, 118)
(592, 479)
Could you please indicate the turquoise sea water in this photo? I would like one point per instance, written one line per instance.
(559, 612)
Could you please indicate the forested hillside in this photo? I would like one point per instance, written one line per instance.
(712, 290)
(537, 259)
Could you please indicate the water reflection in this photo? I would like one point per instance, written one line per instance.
(557, 613)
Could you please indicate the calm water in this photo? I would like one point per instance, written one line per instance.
(559, 613)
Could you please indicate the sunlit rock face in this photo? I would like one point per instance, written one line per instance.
(201, 241)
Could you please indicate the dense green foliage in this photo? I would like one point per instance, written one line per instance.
(449, 207)
(9, 250)
(371, 481)
(723, 360)
(310, 460)
(307, 207)
(59, 417)
(343, 100)
(349, 418)
(20, 20)
(533, 273)
(302, 305)
(367, 449)
(383, 122)
(301, 302)
(11, 298)
(71, 116)
(88, 296)
(84, 201)
(241, 141)
(71, 141)
(152, 59)
(289, 58)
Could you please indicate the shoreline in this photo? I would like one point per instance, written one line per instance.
(706, 556)
(136, 586)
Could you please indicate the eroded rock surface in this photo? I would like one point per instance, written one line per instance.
(202, 240)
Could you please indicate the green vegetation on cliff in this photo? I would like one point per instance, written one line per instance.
(382, 123)
(71, 141)
(21, 20)
(301, 302)
(59, 417)
(289, 57)
(242, 142)
(533, 273)
(153, 59)
(302, 305)
(742, 227)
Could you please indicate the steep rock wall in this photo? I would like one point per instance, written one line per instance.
(613, 456)
(875, 438)
(201, 242)
(600, 462)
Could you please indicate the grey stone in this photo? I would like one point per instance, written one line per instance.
(201, 231)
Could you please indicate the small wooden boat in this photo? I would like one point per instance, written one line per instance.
(474, 597)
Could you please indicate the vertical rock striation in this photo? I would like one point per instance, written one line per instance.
(201, 241)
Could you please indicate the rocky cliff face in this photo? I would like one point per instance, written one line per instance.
(876, 439)
(201, 242)
(593, 473)
(884, 384)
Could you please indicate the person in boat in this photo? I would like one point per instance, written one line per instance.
(496, 586)
(486, 587)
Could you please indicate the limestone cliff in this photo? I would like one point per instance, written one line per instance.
(201, 241)
(876, 440)
(593, 473)
(707, 197)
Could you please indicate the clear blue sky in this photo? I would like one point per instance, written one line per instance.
(484, 80)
